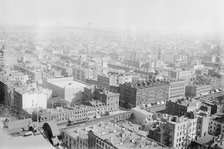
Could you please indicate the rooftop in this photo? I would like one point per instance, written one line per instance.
(68, 83)
(218, 117)
(117, 135)
(188, 103)
(21, 142)
(148, 83)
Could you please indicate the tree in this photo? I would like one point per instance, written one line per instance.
(34, 115)
(57, 102)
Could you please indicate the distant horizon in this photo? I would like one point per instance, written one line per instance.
(121, 30)
(173, 16)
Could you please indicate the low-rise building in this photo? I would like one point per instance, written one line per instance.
(106, 135)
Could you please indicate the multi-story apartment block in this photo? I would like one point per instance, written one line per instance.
(77, 114)
(182, 106)
(177, 90)
(216, 125)
(177, 132)
(104, 102)
(146, 92)
(18, 91)
(108, 98)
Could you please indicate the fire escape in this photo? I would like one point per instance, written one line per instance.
(167, 136)
(187, 137)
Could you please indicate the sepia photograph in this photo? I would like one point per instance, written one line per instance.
(111, 74)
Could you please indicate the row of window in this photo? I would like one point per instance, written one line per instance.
(73, 114)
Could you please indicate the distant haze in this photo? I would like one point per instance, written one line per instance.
(196, 16)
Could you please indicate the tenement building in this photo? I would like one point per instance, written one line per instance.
(216, 125)
(182, 106)
(106, 135)
(177, 132)
(145, 92)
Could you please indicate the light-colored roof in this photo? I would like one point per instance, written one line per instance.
(72, 84)
(116, 134)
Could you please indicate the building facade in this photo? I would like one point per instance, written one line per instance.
(146, 92)
(177, 90)
(197, 90)
(216, 125)
(177, 132)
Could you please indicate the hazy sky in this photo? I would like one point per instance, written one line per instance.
(160, 15)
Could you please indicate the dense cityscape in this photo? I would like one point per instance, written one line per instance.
(93, 88)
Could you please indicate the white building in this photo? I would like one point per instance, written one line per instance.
(66, 88)
(31, 99)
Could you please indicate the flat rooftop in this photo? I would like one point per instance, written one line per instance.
(20, 142)
(72, 84)
(119, 136)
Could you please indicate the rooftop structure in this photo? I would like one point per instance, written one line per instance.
(108, 134)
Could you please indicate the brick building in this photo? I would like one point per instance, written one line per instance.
(145, 92)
